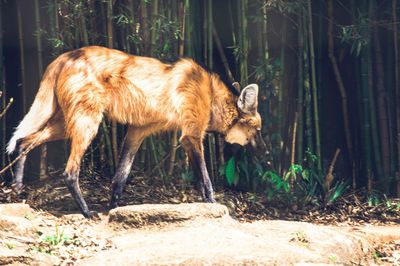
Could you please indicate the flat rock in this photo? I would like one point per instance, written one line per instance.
(15, 209)
(151, 214)
(227, 242)
(16, 225)
(21, 257)
(14, 217)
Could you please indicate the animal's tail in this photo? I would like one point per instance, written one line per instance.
(41, 111)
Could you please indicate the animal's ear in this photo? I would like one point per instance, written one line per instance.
(248, 99)
(236, 85)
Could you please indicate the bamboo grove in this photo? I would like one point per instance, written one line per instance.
(328, 71)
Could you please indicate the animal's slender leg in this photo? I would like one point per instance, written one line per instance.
(54, 130)
(194, 149)
(133, 139)
(83, 130)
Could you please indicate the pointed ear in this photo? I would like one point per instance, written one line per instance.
(248, 99)
(236, 85)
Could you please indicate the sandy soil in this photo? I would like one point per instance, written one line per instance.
(184, 234)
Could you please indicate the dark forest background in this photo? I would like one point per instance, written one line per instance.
(328, 72)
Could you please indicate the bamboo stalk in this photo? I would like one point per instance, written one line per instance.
(155, 154)
(243, 41)
(366, 126)
(389, 83)
(189, 25)
(222, 54)
(209, 59)
(308, 120)
(397, 90)
(314, 88)
(83, 27)
(108, 145)
(376, 152)
(264, 30)
(21, 56)
(231, 23)
(339, 80)
(281, 106)
(144, 26)
(300, 84)
(292, 159)
(2, 91)
(153, 39)
(43, 150)
(133, 24)
(382, 110)
(355, 165)
(209, 17)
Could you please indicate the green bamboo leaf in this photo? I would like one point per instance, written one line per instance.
(286, 187)
(230, 171)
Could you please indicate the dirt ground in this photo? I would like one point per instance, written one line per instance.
(160, 224)
(183, 234)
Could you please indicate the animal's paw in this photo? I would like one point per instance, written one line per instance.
(210, 200)
(92, 215)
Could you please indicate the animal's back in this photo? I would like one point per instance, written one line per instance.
(131, 89)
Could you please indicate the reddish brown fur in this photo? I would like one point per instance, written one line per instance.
(82, 86)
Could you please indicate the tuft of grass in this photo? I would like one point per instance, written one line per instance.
(28, 216)
(377, 256)
(50, 244)
(301, 238)
(332, 258)
(9, 245)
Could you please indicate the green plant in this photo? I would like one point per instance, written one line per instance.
(50, 244)
(275, 184)
(335, 192)
(377, 256)
(28, 216)
(333, 258)
(187, 176)
(232, 175)
(373, 200)
(300, 183)
(301, 238)
(58, 238)
(9, 245)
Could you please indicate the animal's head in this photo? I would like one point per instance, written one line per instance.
(247, 127)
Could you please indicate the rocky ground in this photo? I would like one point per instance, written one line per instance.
(183, 234)
(162, 225)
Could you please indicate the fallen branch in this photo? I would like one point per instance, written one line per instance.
(329, 175)
(7, 107)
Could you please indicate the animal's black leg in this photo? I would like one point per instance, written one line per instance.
(132, 143)
(193, 148)
(71, 180)
(19, 172)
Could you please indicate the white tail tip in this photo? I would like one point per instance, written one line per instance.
(11, 145)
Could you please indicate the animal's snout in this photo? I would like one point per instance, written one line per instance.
(258, 145)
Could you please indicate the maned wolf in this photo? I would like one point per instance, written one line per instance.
(80, 87)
